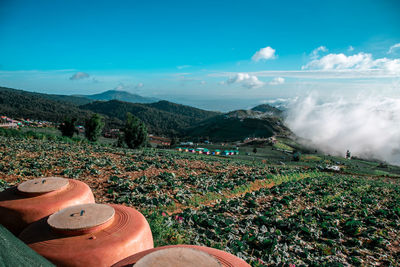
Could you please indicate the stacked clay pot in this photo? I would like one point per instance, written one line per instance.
(37, 198)
(89, 235)
(183, 255)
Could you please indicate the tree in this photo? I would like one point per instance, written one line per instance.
(348, 155)
(255, 150)
(93, 127)
(296, 155)
(67, 128)
(174, 141)
(135, 132)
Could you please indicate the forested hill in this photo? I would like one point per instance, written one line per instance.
(265, 108)
(23, 104)
(163, 117)
(237, 125)
(197, 114)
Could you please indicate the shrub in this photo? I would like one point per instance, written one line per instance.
(67, 128)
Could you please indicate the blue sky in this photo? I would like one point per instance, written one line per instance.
(201, 52)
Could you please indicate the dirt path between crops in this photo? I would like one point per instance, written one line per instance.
(254, 186)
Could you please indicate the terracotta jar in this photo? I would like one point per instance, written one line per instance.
(89, 235)
(35, 199)
(183, 255)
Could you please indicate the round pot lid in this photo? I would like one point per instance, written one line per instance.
(178, 257)
(43, 185)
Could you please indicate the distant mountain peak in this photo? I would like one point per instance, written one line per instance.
(122, 96)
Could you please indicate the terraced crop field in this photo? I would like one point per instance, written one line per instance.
(266, 214)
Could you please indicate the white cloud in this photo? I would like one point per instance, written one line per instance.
(319, 74)
(203, 82)
(264, 54)
(350, 49)
(361, 61)
(277, 80)
(79, 75)
(367, 126)
(316, 51)
(246, 80)
(393, 47)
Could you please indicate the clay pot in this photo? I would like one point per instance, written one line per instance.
(37, 198)
(89, 235)
(183, 255)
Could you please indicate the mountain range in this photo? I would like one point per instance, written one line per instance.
(161, 117)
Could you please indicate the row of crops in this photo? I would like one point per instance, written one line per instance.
(266, 214)
(327, 220)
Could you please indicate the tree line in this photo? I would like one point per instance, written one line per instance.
(134, 132)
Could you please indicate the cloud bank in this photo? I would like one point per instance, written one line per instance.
(79, 76)
(368, 126)
(361, 61)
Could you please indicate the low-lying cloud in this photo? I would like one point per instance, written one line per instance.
(368, 126)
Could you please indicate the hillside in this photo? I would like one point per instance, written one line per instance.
(182, 109)
(74, 100)
(120, 95)
(270, 110)
(23, 104)
(163, 118)
(237, 125)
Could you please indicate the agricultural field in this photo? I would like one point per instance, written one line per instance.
(267, 212)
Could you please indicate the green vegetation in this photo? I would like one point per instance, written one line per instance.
(135, 132)
(283, 146)
(269, 109)
(22, 104)
(67, 128)
(233, 127)
(93, 127)
(30, 134)
(161, 118)
(267, 214)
